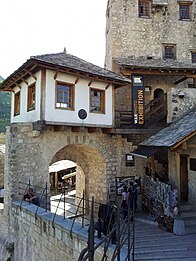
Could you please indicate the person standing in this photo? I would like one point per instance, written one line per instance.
(132, 196)
(124, 202)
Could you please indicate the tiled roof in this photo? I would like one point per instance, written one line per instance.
(173, 134)
(154, 63)
(73, 62)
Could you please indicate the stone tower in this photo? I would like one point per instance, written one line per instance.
(156, 40)
(159, 29)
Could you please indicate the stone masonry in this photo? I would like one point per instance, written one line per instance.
(130, 35)
(100, 156)
(2, 159)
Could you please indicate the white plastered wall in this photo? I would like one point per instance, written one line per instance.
(27, 116)
(81, 101)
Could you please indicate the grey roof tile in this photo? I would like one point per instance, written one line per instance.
(143, 62)
(73, 62)
(175, 132)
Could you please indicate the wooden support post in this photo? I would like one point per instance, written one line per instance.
(153, 167)
(177, 161)
(56, 180)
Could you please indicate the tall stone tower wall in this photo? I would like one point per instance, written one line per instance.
(127, 34)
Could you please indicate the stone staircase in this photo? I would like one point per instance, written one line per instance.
(152, 243)
(188, 215)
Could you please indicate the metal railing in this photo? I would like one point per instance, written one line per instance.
(120, 232)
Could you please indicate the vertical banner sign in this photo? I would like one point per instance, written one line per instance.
(138, 100)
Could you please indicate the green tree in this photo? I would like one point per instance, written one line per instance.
(5, 108)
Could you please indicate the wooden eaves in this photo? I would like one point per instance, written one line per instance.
(188, 73)
(32, 66)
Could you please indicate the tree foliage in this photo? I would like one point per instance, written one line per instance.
(5, 108)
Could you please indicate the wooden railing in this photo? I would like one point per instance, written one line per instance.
(155, 110)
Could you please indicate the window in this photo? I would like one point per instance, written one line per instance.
(17, 103)
(31, 97)
(185, 11)
(144, 8)
(169, 52)
(64, 96)
(97, 100)
(193, 55)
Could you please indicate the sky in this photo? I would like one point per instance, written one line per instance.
(34, 27)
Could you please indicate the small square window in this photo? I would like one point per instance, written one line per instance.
(144, 8)
(185, 11)
(97, 100)
(193, 55)
(17, 103)
(64, 96)
(31, 97)
(130, 160)
(169, 52)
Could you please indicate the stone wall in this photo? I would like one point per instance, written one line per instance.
(129, 35)
(2, 160)
(177, 105)
(36, 239)
(174, 169)
(100, 156)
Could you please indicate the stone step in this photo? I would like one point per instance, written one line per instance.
(188, 213)
(186, 207)
(169, 255)
(189, 221)
(164, 243)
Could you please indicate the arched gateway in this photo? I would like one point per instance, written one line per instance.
(101, 157)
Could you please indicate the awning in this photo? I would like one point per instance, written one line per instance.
(145, 151)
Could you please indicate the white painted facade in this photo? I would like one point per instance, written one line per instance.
(51, 114)
(27, 116)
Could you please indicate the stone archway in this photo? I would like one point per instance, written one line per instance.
(91, 172)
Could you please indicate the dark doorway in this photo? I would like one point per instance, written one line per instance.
(184, 177)
(158, 93)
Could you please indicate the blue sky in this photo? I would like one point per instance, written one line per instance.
(33, 27)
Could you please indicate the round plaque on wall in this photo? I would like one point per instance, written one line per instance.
(82, 114)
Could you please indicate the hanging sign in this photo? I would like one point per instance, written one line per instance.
(138, 100)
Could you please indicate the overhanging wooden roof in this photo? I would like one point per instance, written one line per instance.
(174, 135)
(63, 62)
(145, 66)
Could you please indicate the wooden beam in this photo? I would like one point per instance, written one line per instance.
(25, 81)
(177, 168)
(184, 146)
(191, 145)
(77, 79)
(17, 85)
(106, 130)
(180, 80)
(128, 72)
(90, 82)
(77, 129)
(107, 86)
(32, 75)
(56, 74)
(185, 139)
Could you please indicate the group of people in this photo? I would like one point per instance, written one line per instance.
(129, 198)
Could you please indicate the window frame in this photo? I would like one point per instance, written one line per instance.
(17, 103)
(193, 57)
(164, 51)
(71, 95)
(145, 2)
(189, 5)
(30, 104)
(102, 100)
